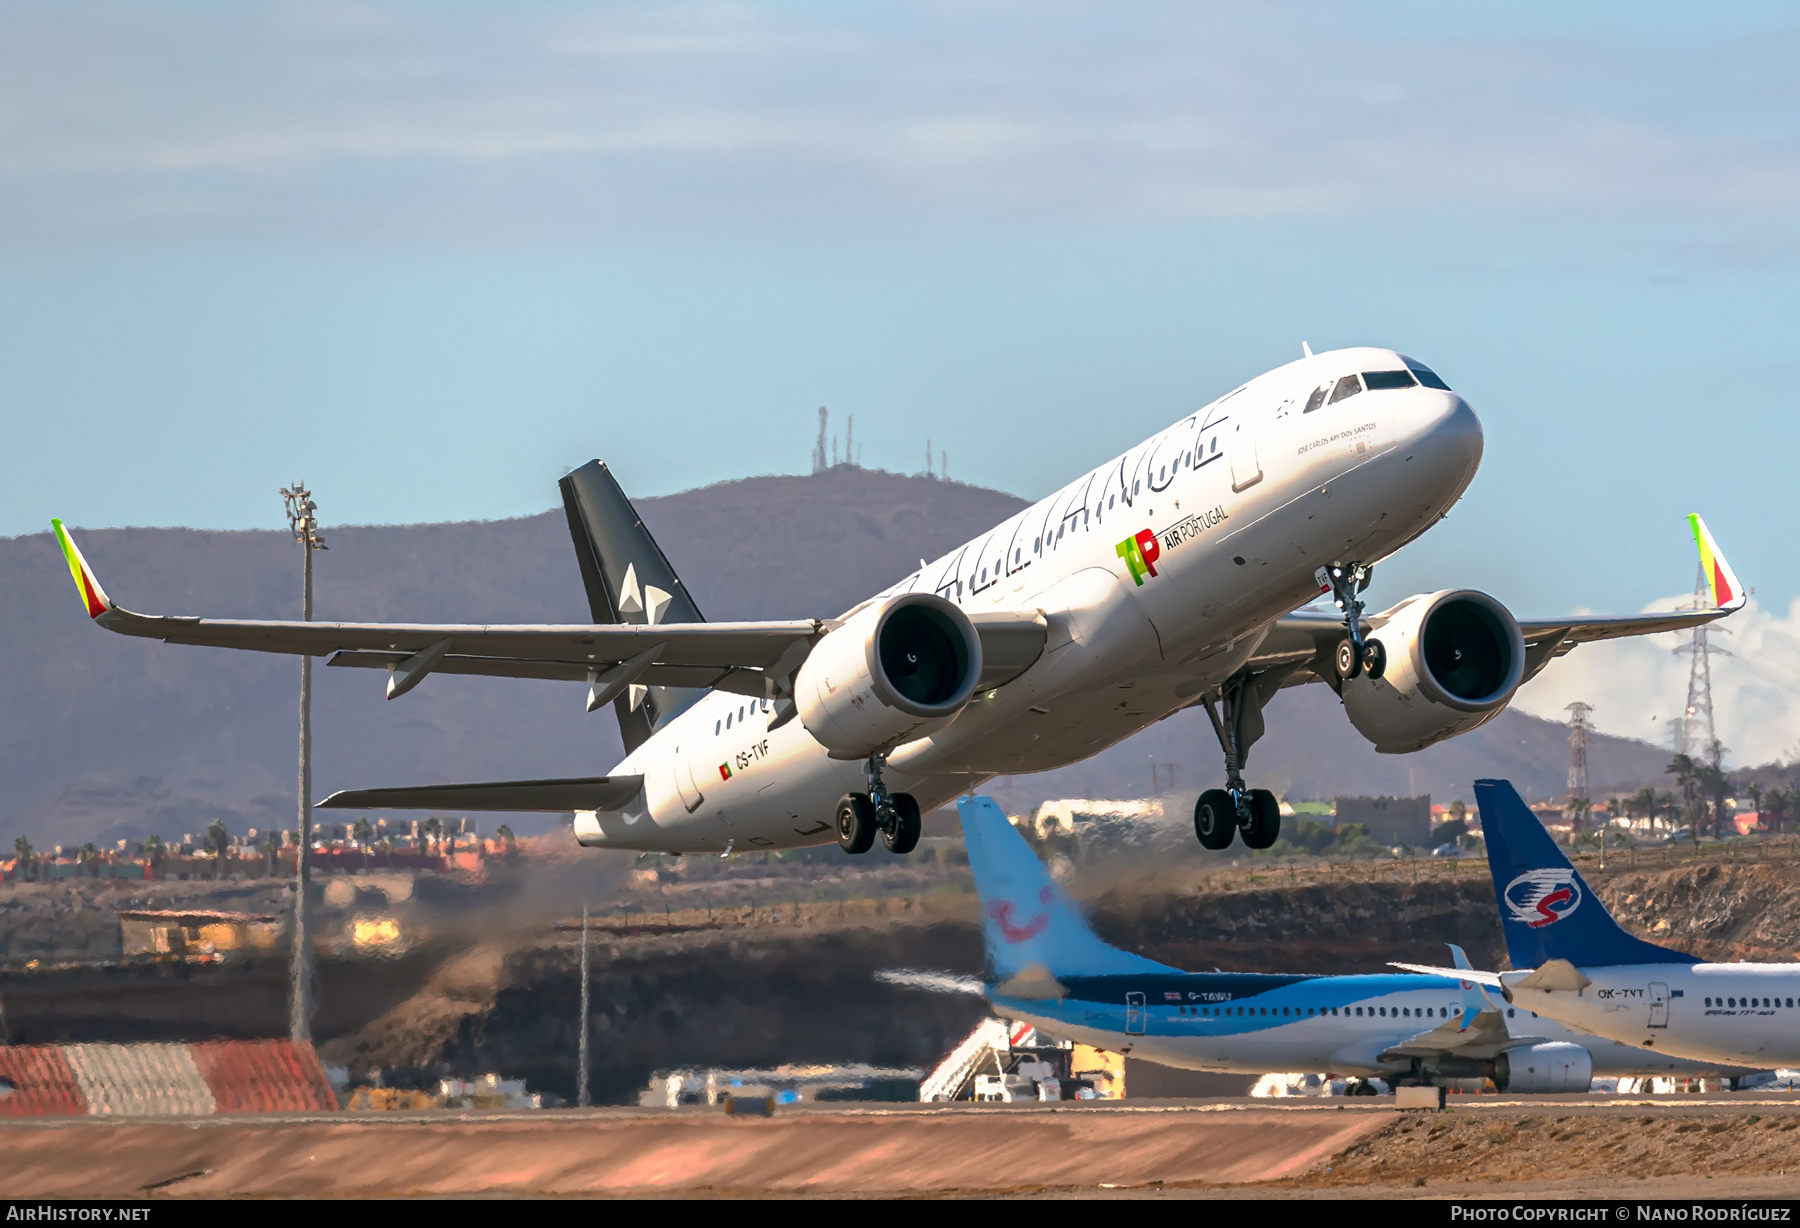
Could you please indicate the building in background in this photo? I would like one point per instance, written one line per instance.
(1390, 820)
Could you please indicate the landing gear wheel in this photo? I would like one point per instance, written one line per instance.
(856, 823)
(1374, 660)
(1215, 819)
(1349, 663)
(902, 835)
(1263, 827)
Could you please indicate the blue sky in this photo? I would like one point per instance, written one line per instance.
(427, 256)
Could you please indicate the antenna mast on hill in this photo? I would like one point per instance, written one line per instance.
(819, 450)
(1578, 767)
(1699, 738)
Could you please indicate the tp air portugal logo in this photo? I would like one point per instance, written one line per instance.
(1140, 554)
(1542, 897)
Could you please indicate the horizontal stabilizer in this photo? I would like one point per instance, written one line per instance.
(575, 793)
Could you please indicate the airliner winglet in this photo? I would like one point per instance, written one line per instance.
(1721, 581)
(93, 597)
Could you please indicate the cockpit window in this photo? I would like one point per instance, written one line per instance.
(1375, 381)
(1428, 377)
(1316, 399)
(1346, 387)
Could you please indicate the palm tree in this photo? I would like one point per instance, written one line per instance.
(1645, 801)
(27, 860)
(1777, 802)
(432, 827)
(153, 853)
(217, 839)
(90, 860)
(1756, 801)
(504, 834)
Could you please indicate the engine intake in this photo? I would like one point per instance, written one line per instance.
(895, 671)
(1454, 659)
(1554, 1067)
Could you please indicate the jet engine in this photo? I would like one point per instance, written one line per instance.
(1554, 1067)
(896, 670)
(1450, 661)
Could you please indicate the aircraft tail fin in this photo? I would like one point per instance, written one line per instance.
(1547, 910)
(628, 580)
(1030, 925)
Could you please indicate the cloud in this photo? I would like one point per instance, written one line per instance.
(508, 122)
(1638, 686)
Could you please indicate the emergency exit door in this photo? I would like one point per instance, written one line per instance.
(1135, 1014)
(1659, 1005)
(691, 797)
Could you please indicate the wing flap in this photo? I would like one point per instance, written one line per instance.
(573, 793)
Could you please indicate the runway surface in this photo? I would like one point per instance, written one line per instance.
(1482, 1147)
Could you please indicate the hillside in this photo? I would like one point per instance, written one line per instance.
(103, 737)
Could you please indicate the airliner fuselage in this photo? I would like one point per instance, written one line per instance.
(1158, 573)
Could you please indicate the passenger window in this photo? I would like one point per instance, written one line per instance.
(740, 712)
(1375, 381)
(1510, 1012)
(728, 720)
(717, 725)
(1109, 502)
(1709, 1001)
(1346, 387)
(1316, 399)
(1428, 377)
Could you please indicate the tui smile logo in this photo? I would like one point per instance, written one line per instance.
(1140, 554)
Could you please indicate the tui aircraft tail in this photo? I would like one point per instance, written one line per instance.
(1029, 923)
(1547, 910)
(628, 580)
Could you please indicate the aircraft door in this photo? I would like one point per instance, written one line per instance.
(1135, 1014)
(1246, 466)
(1659, 1005)
(691, 797)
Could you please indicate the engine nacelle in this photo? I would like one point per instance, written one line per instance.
(895, 671)
(1454, 659)
(1554, 1067)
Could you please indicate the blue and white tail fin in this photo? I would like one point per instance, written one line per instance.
(1547, 910)
(1028, 921)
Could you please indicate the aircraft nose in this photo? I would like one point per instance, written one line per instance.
(1441, 429)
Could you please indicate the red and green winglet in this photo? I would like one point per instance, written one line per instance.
(92, 595)
(1727, 593)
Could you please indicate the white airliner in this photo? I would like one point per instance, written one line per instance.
(1573, 963)
(1050, 968)
(1165, 578)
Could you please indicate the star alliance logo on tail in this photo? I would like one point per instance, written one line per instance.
(1543, 897)
(1140, 554)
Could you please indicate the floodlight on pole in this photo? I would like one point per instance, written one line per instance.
(303, 522)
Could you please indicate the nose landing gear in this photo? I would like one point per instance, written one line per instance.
(894, 817)
(1356, 655)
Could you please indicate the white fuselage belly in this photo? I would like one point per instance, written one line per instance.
(1246, 499)
(1341, 1044)
(1708, 1012)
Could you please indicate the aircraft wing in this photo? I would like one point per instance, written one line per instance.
(743, 657)
(1484, 1038)
(1302, 644)
(1465, 974)
(579, 793)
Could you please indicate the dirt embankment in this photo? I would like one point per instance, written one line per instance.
(1481, 1147)
(784, 990)
(1748, 910)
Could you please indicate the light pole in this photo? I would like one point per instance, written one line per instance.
(581, 1087)
(303, 522)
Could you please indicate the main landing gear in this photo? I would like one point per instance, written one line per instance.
(894, 817)
(1221, 813)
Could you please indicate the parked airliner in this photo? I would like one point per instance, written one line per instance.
(1573, 962)
(1169, 577)
(1048, 967)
